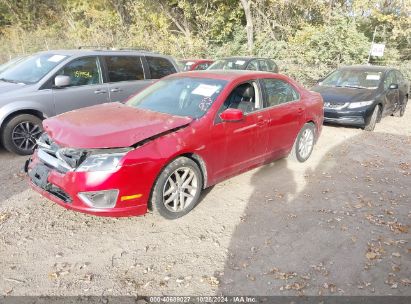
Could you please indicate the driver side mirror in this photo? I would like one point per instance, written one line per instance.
(232, 115)
(61, 81)
(393, 86)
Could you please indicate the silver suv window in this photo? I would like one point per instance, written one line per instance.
(159, 67)
(124, 68)
(82, 71)
(32, 69)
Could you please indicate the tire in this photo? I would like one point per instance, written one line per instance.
(162, 196)
(370, 126)
(304, 143)
(400, 112)
(20, 133)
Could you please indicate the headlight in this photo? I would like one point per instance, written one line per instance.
(102, 160)
(360, 104)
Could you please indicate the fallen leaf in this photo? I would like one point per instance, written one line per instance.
(371, 255)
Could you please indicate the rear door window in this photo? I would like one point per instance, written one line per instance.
(124, 68)
(159, 67)
(252, 65)
(272, 66)
(264, 66)
(278, 92)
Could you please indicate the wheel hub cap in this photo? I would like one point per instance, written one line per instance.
(25, 134)
(180, 189)
(306, 143)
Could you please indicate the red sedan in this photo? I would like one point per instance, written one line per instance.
(195, 64)
(180, 135)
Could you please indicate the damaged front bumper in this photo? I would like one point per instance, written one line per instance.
(84, 191)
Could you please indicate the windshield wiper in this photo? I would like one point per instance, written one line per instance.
(8, 80)
(354, 86)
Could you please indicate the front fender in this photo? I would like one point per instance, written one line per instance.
(21, 106)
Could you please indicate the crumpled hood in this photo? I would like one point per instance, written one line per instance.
(111, 125)
(343, 95)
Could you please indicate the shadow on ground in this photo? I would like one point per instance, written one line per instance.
(344, 233)
(12, 179)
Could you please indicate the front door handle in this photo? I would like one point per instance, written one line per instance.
(100, 91)
(262, 122)
(115, 90)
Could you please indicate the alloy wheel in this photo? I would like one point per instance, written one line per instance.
(25, 134)
(306, 143)
(180, 189)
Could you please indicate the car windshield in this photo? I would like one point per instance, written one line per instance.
(11, 63)
(182, 96)
(31, 69)
(228, 64)
(357, 79)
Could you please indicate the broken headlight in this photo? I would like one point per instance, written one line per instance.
(103, 160)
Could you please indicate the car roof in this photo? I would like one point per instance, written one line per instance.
(196, 60)
(96, 52)
(246, 58)
(228, 75)
(363, 68)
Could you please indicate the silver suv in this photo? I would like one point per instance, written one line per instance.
(49, 83)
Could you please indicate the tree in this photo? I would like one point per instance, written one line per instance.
(249, 27)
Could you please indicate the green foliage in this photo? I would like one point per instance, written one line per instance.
(333, 44)
(307, 37)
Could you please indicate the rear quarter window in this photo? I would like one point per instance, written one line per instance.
(159, 67)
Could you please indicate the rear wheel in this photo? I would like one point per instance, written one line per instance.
(370, 126)
(177, 189)
(304, 143)
(21, 132)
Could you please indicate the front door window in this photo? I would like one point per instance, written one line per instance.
(83, 71)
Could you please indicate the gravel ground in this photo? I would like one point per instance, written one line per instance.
(337, 224)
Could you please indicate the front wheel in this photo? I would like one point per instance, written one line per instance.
(370, 126)
(20, 134)
(304, 143)
(177, 189)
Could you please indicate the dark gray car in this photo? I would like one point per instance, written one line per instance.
(49, 83)
(362, 95)
(245, 63)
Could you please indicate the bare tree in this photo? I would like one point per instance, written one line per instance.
(250, 25)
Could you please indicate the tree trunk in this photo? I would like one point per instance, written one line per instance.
(249, 26)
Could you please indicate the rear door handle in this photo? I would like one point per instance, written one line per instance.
(115, 90)
(100, 91)
(300, 110)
